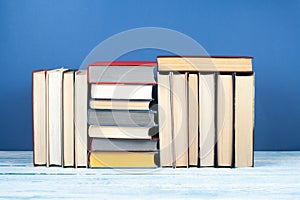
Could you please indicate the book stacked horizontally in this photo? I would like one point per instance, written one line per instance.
(121, 121)
(206, 111)
(59, 107)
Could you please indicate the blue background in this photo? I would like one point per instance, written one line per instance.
(47, 34)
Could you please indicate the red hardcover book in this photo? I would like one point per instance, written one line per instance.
(122, 72)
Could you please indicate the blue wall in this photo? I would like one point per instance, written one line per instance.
(46, 34)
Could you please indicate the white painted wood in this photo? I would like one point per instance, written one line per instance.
(276, 175)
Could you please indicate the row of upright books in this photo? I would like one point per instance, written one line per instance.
(186, 112)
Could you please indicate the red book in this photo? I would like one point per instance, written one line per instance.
(122, 72)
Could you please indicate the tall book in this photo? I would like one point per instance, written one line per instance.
(180, 125)
(55, 116)
(207, 119)
(165, 124)
(39, 117)
(244, 119)
(224, 119)
(193, 146)
(81, 118)
(68, 119)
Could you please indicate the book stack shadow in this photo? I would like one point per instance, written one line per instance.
(122, 115)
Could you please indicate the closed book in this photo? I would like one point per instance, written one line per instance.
(121, 91)
(55, 116)
(165, 123)
(207, 119)
(244, 119)
(225, 119)
(104, 144)
(81, 118)
(128, 72)
(120, 132)
(39, 117)
(124, 159)
(68, 118)
(204, 63)
(120, 104)
(121, 118)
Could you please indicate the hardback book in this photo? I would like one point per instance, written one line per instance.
(225, 119)
(54, 116)
(165, 122)
(120, 104)
(120, 132)
(122, 72)
(105, 144)
(121, 91)
(39, 117)
(121, 118)
(81, 118)
(244, 119)
(124, 159)
(193, 146)
(204, 63)
(68, 118)
(207, 119)
(180, 119)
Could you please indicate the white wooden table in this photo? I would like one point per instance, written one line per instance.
(276, 175)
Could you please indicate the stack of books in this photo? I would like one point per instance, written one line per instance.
(206, 111)
(121, 122)
(59, 107)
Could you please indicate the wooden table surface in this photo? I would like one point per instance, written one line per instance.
(276, 175)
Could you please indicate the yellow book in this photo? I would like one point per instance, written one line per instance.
(124, 159)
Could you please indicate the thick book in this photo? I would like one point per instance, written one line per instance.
(68, 118)
(180, 119)
(207, 119)
(54, 116)
(124, 159)
(121, 91)
(165, 123)
(121, 118)
(204, 63)
(120, 104)
(39, 117)
(81, 118)
(193, 146)
(225, 119)
(120, 132)
(243, 119)
(105, 144)
(122, 72)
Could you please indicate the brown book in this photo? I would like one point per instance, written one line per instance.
(204, 64)
(225, 119)
(244, 119)
(39, 117)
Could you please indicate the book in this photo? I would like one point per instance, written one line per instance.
(68, 118)
(120, 132)
(207, 119)
(54, 116)
(243, 119)
(124, 159)
(120, 104)
(121, 118)
(193, 146)
(165, 123)
(225, 119)
(104, 144)
(180, 119)
(81, 118)
(39, 117)
(204, 63)
(128, 72)
(121, 91)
